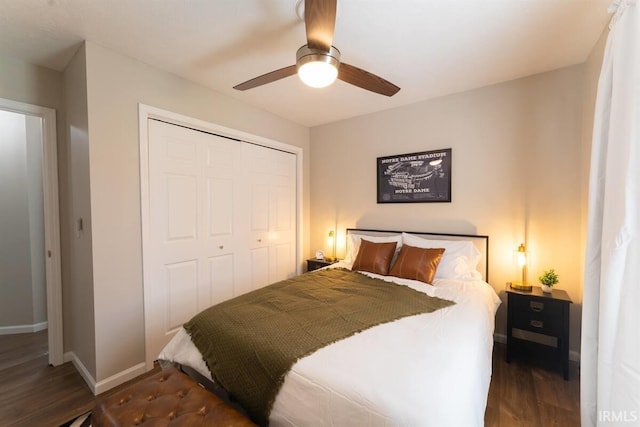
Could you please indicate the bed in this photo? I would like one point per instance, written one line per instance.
(430, 369)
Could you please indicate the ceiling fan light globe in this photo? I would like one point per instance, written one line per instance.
(317, 68)
(317, 74)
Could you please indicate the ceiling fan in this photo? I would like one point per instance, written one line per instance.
(318, 62)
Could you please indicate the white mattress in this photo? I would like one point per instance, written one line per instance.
(427, 370)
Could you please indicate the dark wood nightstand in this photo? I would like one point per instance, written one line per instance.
(314, 263)
(540, 313)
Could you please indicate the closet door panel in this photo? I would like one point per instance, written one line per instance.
(181, 200)
(182, 293)
(259, 203)
(221, 278)
(219, 207)
(259, 267)
(281, 265)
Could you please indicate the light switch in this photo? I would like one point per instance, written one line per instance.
(79, 227)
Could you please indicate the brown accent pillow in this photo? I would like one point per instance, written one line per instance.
(417, 263)
(374, 257)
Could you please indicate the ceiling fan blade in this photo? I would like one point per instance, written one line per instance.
(366, 80)
(267, 78)
(320, 22)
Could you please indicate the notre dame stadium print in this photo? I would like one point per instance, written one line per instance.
(415, 177)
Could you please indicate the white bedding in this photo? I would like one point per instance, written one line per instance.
(427, 370)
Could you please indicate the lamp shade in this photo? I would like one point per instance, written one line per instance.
(331, 240)
(521, 258)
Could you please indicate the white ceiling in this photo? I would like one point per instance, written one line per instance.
(429, 48)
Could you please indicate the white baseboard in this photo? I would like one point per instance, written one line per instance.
(70, 356)
(574, 356)
(120, 378)
(98, 387)
(24, 329)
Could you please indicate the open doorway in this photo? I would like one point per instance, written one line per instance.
(30, 288)
(23, 304)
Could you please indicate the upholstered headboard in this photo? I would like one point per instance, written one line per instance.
(481, 242)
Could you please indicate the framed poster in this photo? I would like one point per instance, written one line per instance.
(415, 177)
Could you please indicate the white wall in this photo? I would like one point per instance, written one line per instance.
(116, 84)
(22, 278)
(516, 174)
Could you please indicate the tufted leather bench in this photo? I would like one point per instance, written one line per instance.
(169, 398)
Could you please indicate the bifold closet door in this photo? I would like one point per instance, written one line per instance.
(193, 224)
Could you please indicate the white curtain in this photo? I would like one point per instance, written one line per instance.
(610, 365)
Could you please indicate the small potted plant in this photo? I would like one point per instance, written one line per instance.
(548, 279)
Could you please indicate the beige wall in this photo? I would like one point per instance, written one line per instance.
(516, 174)
(28, 83)
(116, 84)
(78, 293)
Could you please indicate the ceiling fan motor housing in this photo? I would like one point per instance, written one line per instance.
(308, 54)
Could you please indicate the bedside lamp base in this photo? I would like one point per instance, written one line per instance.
(520, 286)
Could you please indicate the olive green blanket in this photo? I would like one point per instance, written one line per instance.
(250, 342)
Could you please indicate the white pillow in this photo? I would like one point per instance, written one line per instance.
(459, 260)
(354, 244)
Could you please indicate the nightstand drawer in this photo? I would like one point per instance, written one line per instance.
(537, 315)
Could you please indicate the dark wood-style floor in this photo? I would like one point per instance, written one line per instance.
(523, 394)
(35, 394)
(32, 393)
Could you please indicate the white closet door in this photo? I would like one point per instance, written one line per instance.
(192, 226)
(271, 180)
